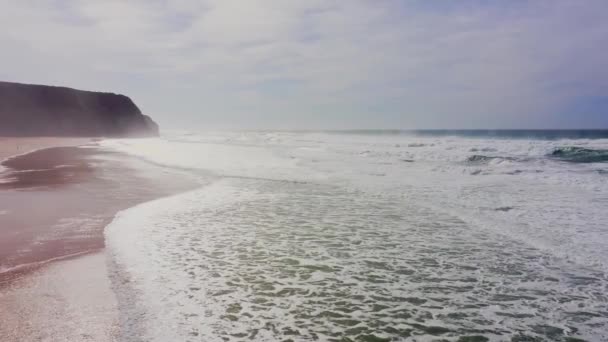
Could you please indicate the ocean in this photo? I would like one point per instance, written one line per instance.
(368, 236)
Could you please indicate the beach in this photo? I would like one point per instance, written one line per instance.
(304, 236)
(11, 146)
(54, 204)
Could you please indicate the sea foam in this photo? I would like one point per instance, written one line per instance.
(320, 236)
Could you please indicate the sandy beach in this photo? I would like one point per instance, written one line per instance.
(10, 146)
(54, 205)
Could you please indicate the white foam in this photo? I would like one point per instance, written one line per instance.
(133, 240)
(221, 159)
(521, 236)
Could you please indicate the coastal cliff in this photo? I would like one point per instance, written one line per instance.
(39, 110)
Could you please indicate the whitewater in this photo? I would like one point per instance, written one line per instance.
(366, 236)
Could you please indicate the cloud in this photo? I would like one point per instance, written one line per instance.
(271, 63)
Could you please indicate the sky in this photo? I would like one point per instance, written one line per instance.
(323, 64)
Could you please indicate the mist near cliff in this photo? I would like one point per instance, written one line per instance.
(40, 110)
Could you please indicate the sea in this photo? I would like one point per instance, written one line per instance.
(368, 235)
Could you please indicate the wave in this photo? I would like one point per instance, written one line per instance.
(31, 265)
(484, 149)
(284, 240)
(532, 134)
(481, 159)
(574, 154)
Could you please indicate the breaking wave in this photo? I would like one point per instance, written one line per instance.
(295, 236)
(481, 159)
(574, 154)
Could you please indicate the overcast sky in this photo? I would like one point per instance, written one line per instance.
(200, 64)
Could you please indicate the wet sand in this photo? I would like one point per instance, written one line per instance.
(65, 301)
(54, 205)
(10, 146)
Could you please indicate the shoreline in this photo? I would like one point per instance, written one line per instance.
(11, 147)
(56, 202)
(66, 300)
(19, 147)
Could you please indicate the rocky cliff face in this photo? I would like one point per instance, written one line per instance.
(37, 110)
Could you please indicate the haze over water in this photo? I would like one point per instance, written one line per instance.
(368, 236)
(359, 235)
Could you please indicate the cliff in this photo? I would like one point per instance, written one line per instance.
(38, 110)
